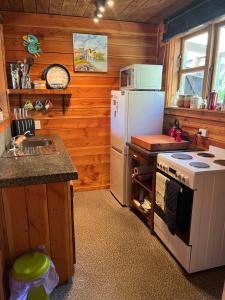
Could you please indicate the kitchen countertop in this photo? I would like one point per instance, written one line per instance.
(40, 169)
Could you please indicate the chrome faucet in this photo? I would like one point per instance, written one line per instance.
(17, 140)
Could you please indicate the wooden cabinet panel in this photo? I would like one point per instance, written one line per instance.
(60, 222)
(37, 215)
(15, 211)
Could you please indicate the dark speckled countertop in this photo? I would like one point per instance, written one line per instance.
(40, 169)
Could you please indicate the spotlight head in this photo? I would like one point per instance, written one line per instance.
(110, 3)
(99, 15)
(101, 8)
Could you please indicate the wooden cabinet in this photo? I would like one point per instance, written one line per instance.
(143, 186)
(36, 215)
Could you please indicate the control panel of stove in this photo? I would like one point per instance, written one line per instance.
(172, 172)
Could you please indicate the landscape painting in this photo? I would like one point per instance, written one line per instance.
(90, 52)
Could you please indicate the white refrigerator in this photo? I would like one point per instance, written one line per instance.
(132, 113)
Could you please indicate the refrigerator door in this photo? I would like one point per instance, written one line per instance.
(145, 114)
(117, 176)
(118, 120)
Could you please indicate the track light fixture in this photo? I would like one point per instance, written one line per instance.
(100, 8)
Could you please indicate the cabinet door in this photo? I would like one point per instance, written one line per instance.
(2, 293)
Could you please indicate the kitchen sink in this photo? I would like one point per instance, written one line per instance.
(36, 142)
(32, 146)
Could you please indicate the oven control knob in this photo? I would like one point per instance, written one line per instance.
(179, 176)
(186, 179)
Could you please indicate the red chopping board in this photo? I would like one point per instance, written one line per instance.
(159, 142)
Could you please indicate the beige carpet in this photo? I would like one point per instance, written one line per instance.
(117, 258)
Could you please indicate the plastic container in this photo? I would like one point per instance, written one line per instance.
(31, 275)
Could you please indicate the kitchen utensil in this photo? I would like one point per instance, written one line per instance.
(38, 105)
(48, 104)
(28, 105)
(175, 127)
(212, 100)
(178, 136)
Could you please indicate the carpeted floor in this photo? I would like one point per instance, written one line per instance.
(117, 258)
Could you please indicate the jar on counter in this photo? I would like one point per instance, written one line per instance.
(180, 100)
(187, 101)
(195, 102)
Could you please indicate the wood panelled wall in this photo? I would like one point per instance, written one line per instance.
(192, 120)
(85, 127)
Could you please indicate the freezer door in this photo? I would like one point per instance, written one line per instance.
(118, 120)
(117, 176)
(145, 113)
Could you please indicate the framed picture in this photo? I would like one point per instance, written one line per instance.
(90, 52)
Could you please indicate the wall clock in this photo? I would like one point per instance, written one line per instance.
(57, 76)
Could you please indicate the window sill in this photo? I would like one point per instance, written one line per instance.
(205, 114)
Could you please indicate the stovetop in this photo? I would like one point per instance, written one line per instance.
(196, 162)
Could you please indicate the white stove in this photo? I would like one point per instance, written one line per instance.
(201, 176)
(187, 166)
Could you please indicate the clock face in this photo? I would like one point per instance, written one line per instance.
(57, 77)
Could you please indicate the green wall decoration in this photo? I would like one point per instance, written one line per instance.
(32, 44)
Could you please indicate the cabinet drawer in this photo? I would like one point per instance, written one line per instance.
(136, 156)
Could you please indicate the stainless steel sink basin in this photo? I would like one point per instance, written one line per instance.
(36, 142)
(32, 146)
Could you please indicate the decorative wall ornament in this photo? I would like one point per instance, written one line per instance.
(31, 43)
(90, 52)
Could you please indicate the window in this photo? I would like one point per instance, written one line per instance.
(193, 64)
(196, 63)
(219, 69)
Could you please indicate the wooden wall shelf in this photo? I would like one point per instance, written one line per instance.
(38, 92)
(21, 92)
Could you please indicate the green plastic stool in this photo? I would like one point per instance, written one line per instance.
(30, 267)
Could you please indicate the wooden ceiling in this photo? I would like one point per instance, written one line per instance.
(126, 10)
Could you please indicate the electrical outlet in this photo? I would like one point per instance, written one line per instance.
(37, 124)
(203, 132)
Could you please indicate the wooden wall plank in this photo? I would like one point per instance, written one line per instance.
(4, 5)
(3, 81)
(29, 6)
(37, 213)
(3, 252)
(86, 123)
(15, 5)
(42, 6)
(14, 210)
(55, 7)
(60, 220)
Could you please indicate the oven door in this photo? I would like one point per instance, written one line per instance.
(184, 207)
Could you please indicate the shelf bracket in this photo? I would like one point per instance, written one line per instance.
(20, 101)
(63, 103)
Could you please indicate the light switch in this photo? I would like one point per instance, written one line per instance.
(37, 124)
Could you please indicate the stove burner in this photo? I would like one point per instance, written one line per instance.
(206, 154)
(220, 162)
(199, 165)
(182, 156)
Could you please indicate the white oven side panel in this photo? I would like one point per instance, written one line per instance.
(208, 223)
